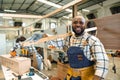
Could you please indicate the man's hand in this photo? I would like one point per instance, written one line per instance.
(96, 77)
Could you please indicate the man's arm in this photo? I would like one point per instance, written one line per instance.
(102, 60)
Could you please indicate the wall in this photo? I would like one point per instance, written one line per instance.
(2, 44)
(102, 9)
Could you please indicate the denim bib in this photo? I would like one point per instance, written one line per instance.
(77, 59)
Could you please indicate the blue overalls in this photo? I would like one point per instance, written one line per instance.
(78, 62)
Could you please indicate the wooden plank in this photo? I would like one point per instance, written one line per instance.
(56, 11)
(20, 16)
(52, 38)
(41, 17)
(62, 8)
(42, 40)
(108, 31)
(10, 28)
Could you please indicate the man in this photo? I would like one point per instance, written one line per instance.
(90, 62)
(91, 24)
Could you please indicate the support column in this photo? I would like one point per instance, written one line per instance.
(74, 10)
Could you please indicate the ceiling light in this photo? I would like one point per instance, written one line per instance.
(7, 17)
(66, 17)
(49, 3)
(19, 15)
(85, 10)
(9, 10)
(53, 4)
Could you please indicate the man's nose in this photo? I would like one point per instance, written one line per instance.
(78, 24)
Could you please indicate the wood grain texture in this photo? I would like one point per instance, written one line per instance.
(109, 31)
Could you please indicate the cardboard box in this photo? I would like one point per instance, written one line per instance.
(19, 65)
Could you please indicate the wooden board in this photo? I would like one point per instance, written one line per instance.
(42, 40)
(19, 65)
(109, 31)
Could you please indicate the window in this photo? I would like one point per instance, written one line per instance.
(115, 9)
(91, 16)
(10, 22)
(52, 25)
(38, 25)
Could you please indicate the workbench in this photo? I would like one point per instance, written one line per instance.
(11, 75)
(19, 67)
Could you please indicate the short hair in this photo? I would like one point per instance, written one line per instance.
(91, 24)
(20, 39)
(79, 17)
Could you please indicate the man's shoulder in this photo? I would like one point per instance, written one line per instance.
(91, 38)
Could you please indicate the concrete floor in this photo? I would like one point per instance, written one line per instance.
(110, 76)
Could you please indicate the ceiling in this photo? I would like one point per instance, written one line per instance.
(37, 8)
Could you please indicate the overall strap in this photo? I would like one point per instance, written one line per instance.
(87, 40)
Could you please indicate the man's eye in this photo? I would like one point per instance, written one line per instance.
(81, 22)
(75, 22)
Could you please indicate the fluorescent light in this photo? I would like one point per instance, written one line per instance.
(19, 15)
(9, 10)
(6, 17)
(49, 3)
(53, 4)
(69, 10)
(85, 10)
(66, 17)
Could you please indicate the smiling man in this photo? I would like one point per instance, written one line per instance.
(86, 54)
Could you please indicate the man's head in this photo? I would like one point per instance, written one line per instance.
(78, 25)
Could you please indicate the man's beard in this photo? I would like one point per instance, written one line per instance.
(78, 33)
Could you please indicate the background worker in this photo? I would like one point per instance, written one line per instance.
(91, 24)
(86, 54)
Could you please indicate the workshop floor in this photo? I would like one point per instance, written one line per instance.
(52, 72)
(111, 75)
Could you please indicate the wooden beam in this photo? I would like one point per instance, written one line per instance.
(62, 8)
(58, 10)
(42, 40)
(52, 38)
(10, 28)
(20, 16)
(42, 17)
(74, 10)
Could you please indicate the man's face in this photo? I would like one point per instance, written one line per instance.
(78, 26)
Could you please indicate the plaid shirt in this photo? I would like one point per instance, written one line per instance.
(93, 50)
